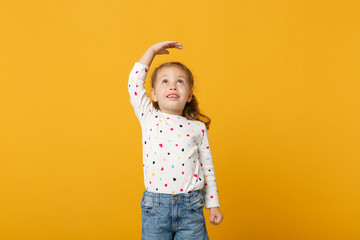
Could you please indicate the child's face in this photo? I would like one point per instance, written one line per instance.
(171, 80)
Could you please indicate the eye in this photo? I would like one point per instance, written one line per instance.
(181, 81)
(164, 81)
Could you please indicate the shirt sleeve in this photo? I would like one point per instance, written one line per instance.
(205, 157)
(138, 97)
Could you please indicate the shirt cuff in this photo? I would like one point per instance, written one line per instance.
(211, 204)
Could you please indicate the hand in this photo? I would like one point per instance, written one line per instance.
(215, 216)
(160, 48)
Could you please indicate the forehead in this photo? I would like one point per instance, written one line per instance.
(171, 70)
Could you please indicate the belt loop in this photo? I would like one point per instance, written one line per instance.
(187, 198)
(156, 199)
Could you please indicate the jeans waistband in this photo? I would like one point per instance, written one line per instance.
(171, 198)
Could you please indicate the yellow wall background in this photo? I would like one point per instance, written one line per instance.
(279, 79)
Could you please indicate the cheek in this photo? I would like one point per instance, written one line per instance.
(161, 92)
(184, 90)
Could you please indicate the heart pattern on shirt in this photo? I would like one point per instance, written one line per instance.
(172, 170)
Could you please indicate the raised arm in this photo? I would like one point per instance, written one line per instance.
(158, 48)
(139, 99)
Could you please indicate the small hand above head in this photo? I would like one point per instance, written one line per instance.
(160, 48)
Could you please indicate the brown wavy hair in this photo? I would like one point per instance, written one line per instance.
(191, 110)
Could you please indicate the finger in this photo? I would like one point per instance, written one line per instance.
(174, 44)
(218, 220)
(172, 41)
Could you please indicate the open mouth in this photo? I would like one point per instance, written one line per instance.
(172, 96)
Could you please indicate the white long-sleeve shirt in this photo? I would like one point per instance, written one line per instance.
(176, 151)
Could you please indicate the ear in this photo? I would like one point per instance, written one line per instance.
(153, 95)
(190, 96)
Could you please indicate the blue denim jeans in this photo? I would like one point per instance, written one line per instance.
(168, 216)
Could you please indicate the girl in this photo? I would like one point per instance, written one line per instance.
(177, 163)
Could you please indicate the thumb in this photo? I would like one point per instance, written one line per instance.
(164, 51)
(217, 220)
(212, 218)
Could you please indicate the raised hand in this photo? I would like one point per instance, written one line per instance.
(160, 48)
(157, 49)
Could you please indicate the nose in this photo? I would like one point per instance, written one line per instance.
(173, 87)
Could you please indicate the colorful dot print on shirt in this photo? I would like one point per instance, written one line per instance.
(176, 151)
